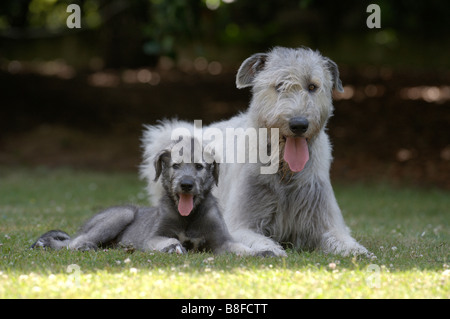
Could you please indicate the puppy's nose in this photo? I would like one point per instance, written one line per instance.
(187, 184)
(298, 125)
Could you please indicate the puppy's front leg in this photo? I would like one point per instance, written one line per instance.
(165, 245)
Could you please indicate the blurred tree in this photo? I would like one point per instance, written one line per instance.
(125, 32)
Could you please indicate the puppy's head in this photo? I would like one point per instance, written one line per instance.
(186, 182)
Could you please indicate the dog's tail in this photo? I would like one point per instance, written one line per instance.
(54, 239)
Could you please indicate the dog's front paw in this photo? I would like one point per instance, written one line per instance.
(86, 246)
(259, 244)
(268, 249)
(360, 250)
(344, 246)
(265, 253)
(174, 248)
(271, 253)
(235, 248)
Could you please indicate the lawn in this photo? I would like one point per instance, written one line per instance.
(407, 229)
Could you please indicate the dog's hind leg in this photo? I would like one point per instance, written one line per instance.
(54, 239)
(103, 228)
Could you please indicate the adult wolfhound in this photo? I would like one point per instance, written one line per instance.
(295, 206)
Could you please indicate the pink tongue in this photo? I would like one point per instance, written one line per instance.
(186, 204)
(296, 153)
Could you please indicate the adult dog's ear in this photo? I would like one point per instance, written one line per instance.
(161, 158)
(333, 68)
(210, 158)
(249, 68)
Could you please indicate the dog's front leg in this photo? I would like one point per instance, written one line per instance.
(165, 245)
(236, 216)
(336, 237)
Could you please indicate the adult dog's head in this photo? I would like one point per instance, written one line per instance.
(292, 91)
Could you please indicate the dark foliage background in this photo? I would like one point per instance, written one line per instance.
(79, 97)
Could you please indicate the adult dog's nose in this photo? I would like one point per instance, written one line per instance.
(187, 184)
(298, 125)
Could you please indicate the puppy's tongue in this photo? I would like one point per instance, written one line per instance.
(296, 153)
(186, 204)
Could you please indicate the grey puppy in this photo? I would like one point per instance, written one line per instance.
(187, 217)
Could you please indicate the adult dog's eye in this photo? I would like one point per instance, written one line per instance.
(312, 87)
(176, 166)
(279, 87)
(199, 167)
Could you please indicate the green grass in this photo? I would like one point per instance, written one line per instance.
(407, 229)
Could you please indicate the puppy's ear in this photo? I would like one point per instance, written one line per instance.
(249, 68)
(161, 158)
(215, 168)
(333, 68)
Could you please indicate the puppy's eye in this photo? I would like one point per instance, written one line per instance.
(176, 166)
(312, 87)
(198, 167)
